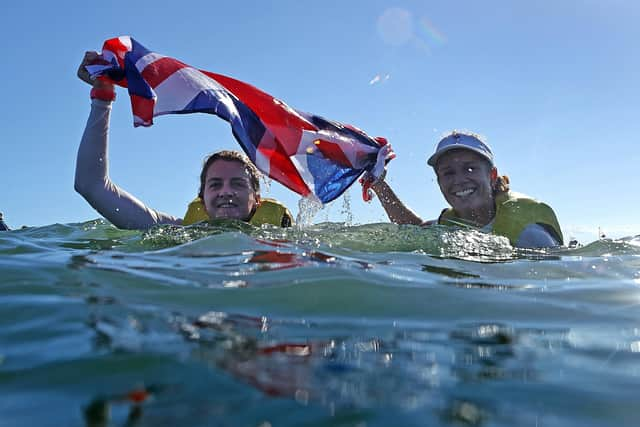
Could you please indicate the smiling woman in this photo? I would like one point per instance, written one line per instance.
(478, 197)
(229, 186)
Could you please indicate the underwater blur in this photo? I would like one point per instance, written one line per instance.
(335, 325)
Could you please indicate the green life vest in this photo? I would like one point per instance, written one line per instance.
(514, 212)
(269, 211)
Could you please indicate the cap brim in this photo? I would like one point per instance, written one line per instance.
(433, 160)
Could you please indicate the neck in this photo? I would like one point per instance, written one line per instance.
(478, 217)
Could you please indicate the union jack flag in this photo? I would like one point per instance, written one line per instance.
(304, 152)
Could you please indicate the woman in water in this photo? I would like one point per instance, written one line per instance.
(479, 198)
(3, 226)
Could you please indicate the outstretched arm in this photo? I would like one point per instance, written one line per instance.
(396, 210)
(92, 169)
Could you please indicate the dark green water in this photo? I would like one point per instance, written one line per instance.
(373, 325)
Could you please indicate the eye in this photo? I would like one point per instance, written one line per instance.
(214, 185)
(240, 184)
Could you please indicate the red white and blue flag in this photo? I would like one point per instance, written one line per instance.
(304, 152)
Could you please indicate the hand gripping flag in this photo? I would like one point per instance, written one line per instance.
(304, 152)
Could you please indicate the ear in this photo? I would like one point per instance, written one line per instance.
(493, 175)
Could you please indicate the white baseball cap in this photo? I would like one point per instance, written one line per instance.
(460, 141)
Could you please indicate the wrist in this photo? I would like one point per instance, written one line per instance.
(378, 185)
(103, 92)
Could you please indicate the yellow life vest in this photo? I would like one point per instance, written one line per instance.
(514, 212)
(269, 211)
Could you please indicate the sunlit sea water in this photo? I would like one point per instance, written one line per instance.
(372, 325)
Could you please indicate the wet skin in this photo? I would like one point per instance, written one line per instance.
(228, 192)
(466, 182)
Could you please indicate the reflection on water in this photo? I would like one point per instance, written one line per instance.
(440, 369)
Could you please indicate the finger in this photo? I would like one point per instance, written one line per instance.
(90, 55)
(83, 74)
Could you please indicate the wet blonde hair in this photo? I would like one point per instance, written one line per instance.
(501, 185)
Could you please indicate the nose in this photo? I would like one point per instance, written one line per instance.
(226, 190)
(460, 175)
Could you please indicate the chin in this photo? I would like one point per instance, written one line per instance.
(227, 215)
(458, 207)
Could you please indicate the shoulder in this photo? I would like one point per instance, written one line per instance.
(536, 236)
(511, 197)
(522, 205)
(272, 211)
(516, 212)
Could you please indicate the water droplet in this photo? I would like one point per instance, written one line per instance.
(308, 207)
(234, 284)
(302, 396)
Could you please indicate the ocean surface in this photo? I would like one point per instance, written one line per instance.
(331, 325)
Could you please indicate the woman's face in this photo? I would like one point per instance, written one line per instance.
(465, 179)
(228, 192)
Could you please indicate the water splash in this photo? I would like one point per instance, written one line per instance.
(266, 184)
(346, 208)
(308, 208)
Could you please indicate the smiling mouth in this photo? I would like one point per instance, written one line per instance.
(465, 192)
(226, 205)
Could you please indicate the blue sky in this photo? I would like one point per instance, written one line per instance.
(553, 86)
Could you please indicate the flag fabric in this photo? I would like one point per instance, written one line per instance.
(304, 152)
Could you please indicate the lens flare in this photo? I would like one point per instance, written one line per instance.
(395, 26)
(398, 27)
(430, 33)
